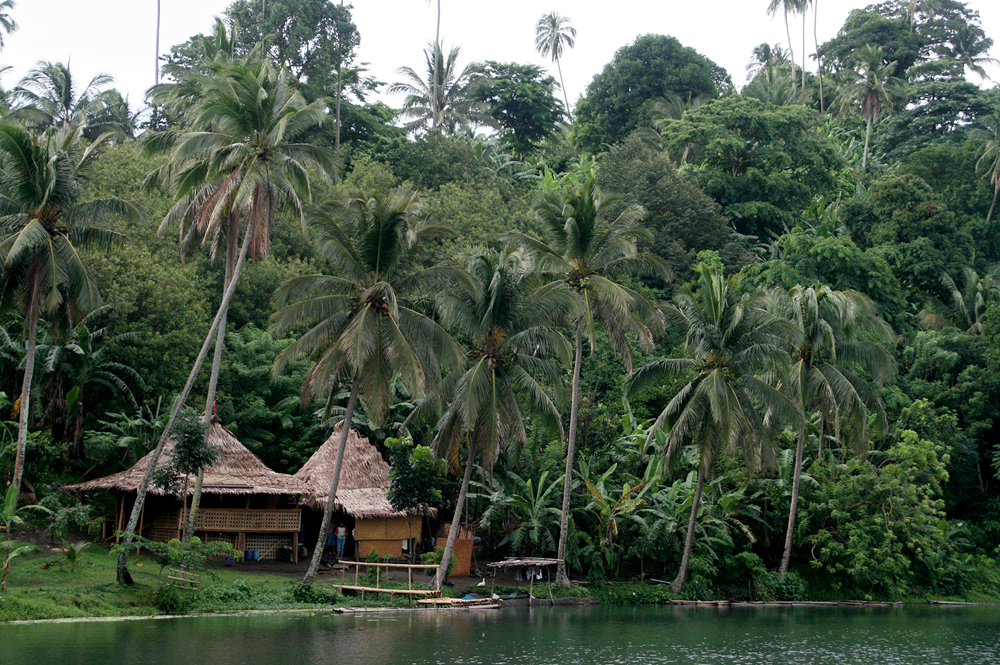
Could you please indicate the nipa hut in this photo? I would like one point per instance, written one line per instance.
(243, 502)
(361, 496)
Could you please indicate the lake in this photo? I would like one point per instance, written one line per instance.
(563, 635)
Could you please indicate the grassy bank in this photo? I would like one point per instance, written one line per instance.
(43, 586)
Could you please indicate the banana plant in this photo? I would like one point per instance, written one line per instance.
(10, 518)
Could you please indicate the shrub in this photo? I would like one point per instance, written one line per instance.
(170, 600)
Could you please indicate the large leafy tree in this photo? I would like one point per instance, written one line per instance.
(362, 329)
(43, 220)
(441, 100)
(553, 35)
(838, 354)
(520, 99)
(588, 253)
(240, 161)
(621, 98)
(731, 341)
(511, 329)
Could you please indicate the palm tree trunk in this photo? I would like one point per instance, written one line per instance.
(791, 50)
(442, 573)
(438, 50)
(803, 48)
(864, 155)
(34, 298)
(562, 579)
(819, 58)
(334, 482)
(569, 112)
(232, 242)
(157, 76)
(678, 584)
(340, 93)
(140, 498)
(996, 190)
(794, 507)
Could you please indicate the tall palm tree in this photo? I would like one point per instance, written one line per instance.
(511, 330)
(989, 152)
(441, 101)
(870, 90)
(48, 96)
(787, 7)
(363, 329)
(239, 160)
(776, 86)
(970, 47)
(553, 35)
(42, 222)
(7, 24)
(819, 57)
(587, 253)
(725, 404)
(838, 333)
(156, 76)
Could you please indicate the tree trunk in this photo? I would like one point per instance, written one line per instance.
(569, 112)
(157, 73)
(442, 573)
(794, 507)
(435, 88)
(996, 190)
(140, 498)
(864, 155)
(232, 243)
(334, 482)
(562, 579)
(791, 50)
(340, 92)
(34, 297)
(803, 48)
(819, 58)
(678, 584)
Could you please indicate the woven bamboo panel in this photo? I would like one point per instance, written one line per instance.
(267, 543)
(165, 527)
(247, 520)
(388, 528)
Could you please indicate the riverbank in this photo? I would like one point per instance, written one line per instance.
(44, 587)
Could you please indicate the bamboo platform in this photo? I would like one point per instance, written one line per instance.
(457, 602)
(427, 593)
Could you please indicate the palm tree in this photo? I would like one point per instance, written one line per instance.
(838, 332)
(968, 305)
(442, 100)
(42, 221)
(819, 57)
(240, 161)
(763, 56)
(7, 24)
(870, 90)
(512, 334)
(776, 86)
(731, 341)
(970, 46)
(48, 96)
(989, 152)
(363, 330)
(553, 35)
(587, 254)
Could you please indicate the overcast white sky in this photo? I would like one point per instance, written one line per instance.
(117, 36)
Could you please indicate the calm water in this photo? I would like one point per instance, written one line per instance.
(814, 636)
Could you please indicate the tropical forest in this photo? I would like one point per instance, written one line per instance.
(698, 334)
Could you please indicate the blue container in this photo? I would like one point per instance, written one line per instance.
(229, 562)
(248, 555)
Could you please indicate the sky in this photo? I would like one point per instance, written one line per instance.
(117, 36)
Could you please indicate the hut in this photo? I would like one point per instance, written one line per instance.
(243, 502)
(361, 496)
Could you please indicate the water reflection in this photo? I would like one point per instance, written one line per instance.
(563, 636)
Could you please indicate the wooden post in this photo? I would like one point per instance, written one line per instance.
(548, 579)
(531, 585)
(357, 569)
(378, 570)
(295, 547)
(409, 580)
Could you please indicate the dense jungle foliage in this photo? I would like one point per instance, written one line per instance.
(762, 322)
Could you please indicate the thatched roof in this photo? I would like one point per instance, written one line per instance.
(236, 470)
(364, 477)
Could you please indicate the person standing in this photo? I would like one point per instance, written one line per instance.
(341, 533)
